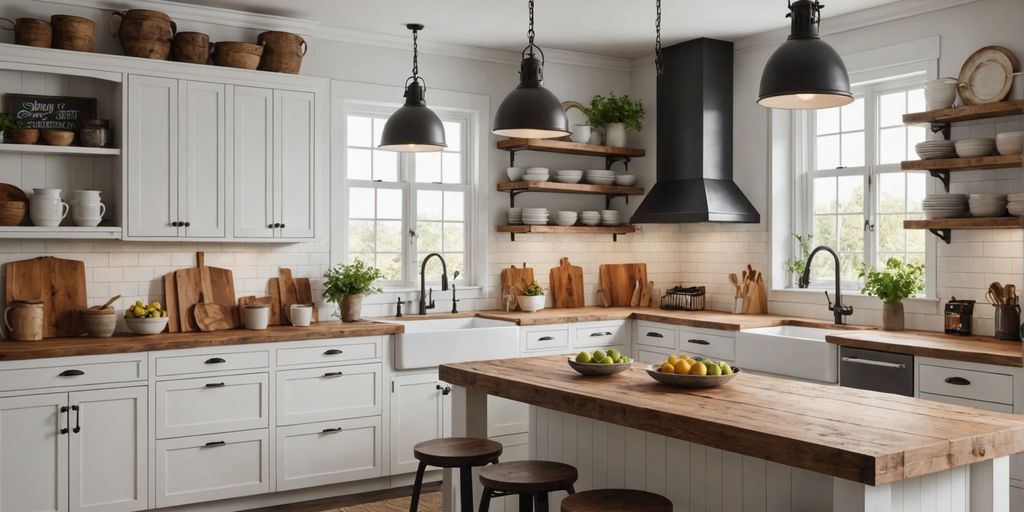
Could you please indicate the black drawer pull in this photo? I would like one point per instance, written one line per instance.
(78, 418)
(64, 410)
(445, 390)
(545, 338)
(699, 342)
(655, 335)
(333, 352)
(214, 360)
(333, 374)
(596, 334)
(330, 430)
(71, 373)
(214, 443)
(958, 381)
(215, 385)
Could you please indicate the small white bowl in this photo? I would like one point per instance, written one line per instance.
(625, 180)
(1010, 143)
(515, 173)
(538, 170)
(146, 326)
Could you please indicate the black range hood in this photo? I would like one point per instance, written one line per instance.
(695, 140)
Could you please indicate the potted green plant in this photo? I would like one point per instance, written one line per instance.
(532, 298)
(347, 285)
(616, 114)
(13, 130)
(892, 284)
(796, 266)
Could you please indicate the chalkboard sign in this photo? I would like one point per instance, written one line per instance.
(56, 112)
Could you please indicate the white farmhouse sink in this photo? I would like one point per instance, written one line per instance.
(791, 351)
(430, 343)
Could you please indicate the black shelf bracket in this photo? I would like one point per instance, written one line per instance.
(942, 175)
(512, 157)
(945, 234)
(512, 197)
(608, 200)
(615, 237)
(943, 128)
(610, 160)
(512, 237)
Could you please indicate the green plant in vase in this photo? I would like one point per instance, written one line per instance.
(893, 283)
(616, 114)
(347, 285)
(532, 298)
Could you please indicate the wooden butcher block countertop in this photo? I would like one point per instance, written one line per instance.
(863, 436)
(117, 344)
(975, 349)
(706, 319)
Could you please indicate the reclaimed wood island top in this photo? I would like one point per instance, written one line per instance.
(867, 437)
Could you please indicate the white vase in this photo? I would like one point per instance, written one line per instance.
(596, 138)
(615, 134)
(46, 207)
(531, 303)
(580, 134)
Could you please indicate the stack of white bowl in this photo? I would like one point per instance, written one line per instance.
(932, 149)
(566, 218)
(610, 217)
(1015, 205)
(939, 94)
(537, 174)
(971, 148)
(625, 180)
(943, 206)
(515, 173)
(535, 216)
(568, 176)
(1010, 143)
(515, 216)
(600, 177)
(988, 205)
(590, 218)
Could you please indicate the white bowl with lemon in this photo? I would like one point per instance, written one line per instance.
(688, 372)
(145, 319)
(600, 362)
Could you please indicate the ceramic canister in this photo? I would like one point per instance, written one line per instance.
(46, 207)
(255, 316)
(301, 315)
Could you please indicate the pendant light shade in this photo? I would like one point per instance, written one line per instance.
(805, 72)
(531, 111)
(413, 128)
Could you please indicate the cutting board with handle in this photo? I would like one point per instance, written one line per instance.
(515, 280)
(211, 316)
(566, 285)
(188, 284)
(622, 283)
(171, 303)
(755, 297)
(58, 283)
(276, 317)
(219, 289)
(287, 293)
(304, 295)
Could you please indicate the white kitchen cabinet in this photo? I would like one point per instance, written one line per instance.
(211, 404)
(417, 414)
(712, 344)
(253, 147)
(652, 355)
(329, 393)
(294, 163)
(33, 453)
(614, 334)
(328, 452)
(212, 467)
(202, 164)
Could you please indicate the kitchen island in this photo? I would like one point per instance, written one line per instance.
(758, 443)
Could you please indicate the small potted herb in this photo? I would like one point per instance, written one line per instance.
(796, 266)
(616, 114)
(532, 298)
(14, 131)
(892, 284)
(347, 285)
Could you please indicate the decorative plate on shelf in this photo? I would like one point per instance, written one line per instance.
(987, 75)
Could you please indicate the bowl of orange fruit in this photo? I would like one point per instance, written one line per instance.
(688, 372)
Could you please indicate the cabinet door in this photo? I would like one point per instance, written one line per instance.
(202, 174)
(331, 393)
(253, 150)
(295, 162)
(108, 454)
(152, 156)
(33, 454)
(416, 415)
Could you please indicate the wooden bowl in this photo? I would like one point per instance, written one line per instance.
(12, 212)
(597, 369)
(691, 381)
(58, 137)
(23, 135)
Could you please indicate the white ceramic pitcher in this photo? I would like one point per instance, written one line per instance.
(46, 207)
(86, 208)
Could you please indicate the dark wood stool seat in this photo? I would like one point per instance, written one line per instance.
(532, 480)
(454, 452)
(618, 500)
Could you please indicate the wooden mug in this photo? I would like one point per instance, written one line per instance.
(24, 321)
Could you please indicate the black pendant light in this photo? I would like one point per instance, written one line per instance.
(805, 72)
(531, 111)
(414, 127)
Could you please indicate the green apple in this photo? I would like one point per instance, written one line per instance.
(614, 354)
(583, 357)
(607, 360)
(599, 355)
(726, 369)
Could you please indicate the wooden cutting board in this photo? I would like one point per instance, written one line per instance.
(515, 280)
(171, 303)
(219, 288)
(189, 287)
(276, 318)
(213, 317)
(304, 295)
(287, 292)
(566, 285)
(619, 283)
(58, 283)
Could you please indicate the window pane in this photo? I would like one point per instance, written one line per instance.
(824, 231)
(853, 116)
(915, 237)
(358, 131)
(452, 166)
(851, 264)
(915, 136)
(389, 203)
(428, 237)
(892, 193)
(391, 266)
(827, 153)
(456, 261)
(428, 205)
(892, 145)
(360, 203)
(378, 128)
(851, 194)
(827, 121)
(358, 165)
(453, 236)
(853, 149)
(453, 135)
(851, 233)
(389, 236)
(824, 195)
(891, 108)
(454, 203)
(891, 235)
(360, 236)
(917, 184)
(385, 165)
(428, 167)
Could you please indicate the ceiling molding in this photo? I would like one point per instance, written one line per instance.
(317, 31)
(855, 20)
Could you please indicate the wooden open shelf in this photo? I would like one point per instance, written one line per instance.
(568, 148)
(569, 188)
(942, 228)
(968, 113)
(964, 164)
(61, 232)
(615, 231)
(57, 150)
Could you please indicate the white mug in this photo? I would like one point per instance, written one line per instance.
(85, 196)
(88, 214)
(46, 207)
(301, 315)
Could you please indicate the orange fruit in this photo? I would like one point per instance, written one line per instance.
(666, 368)
(672, 360)
(698, 368)
(682, 367)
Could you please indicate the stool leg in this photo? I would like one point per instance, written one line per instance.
(466, 483)
(571, 490)
(485, 500)
(525, 502)
(540, 502)
(416, 487)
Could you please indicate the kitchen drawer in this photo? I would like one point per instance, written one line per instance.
(988, 406)
(711, 346)
(47, 375)
(329, 393)
(601, 334)
(328, 453)
(655, 335)
(969, 384)
(1016, 499)
(213, 404)
(184, 365)
(215, 467)
(332, 352)
(546, 340)
(653, 355)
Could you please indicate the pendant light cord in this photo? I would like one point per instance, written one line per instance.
(659, 57)
(530, 34)
(415, 54)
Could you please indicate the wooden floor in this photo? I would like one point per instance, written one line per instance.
(347, 501)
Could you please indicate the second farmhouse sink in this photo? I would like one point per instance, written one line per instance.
(789, 350)
(430, 343)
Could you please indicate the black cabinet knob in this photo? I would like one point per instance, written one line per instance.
(175, 224)
(271, 226)
(187, 224)
(282, 224)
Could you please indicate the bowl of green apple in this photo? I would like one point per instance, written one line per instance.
(600, 362)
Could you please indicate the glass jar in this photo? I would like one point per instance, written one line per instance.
(94, 133)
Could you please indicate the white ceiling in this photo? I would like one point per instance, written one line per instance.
(619, 28)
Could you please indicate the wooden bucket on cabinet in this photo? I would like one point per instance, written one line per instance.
(191, 47)
(73, 33)
(237, 55)
(282, 52)
(145, 33)
(31, 32)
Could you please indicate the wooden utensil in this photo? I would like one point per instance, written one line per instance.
(189, 287)
(736, 283)
(996, 293)
(211, 316)
(58, 283)
(567, 285)
(619, 282)
(1010, 294)
(171, 303)
(287, 292)
(304, 295)
(645, 294)
(515, 280)
(106, 304)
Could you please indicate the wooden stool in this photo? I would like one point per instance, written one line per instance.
(618, 500)
(454, 452)
(531, 480)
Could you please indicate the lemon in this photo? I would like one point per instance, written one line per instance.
(155, 305)
(666, 368)
(583, 357)
(607, 360)
(698, 368)
(672, 359)
(682, 367)
(138, 311)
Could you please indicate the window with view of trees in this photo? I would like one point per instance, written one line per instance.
(857, 196)
(403, 206)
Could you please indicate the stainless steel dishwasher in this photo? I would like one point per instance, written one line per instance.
(876, 371)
